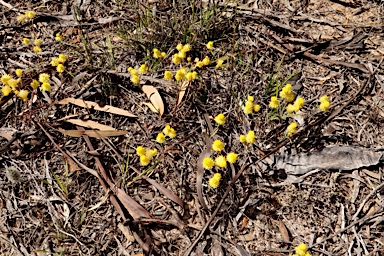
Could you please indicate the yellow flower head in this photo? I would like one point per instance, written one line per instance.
(220, 119)
(160, 138)
(231, 157)
(163, 54)
(179, 47)
(214, 182)
(219, 63)
(140, 151)
(135, 79)
(13, 82)
(6, 90)
(166, 130)
(301, 250)
(210, 45)
(189, 59)
(250, 138)
(182, 54)
(242, 138)
(44, 78)
(208, 163)
(187, 48)
(30, 14)
(256, 108)
(35, 84)
(144, 161)
(23, 94)
(206, 61)
(19, 72)
(218, 145)
(55, 62)
(172, 133)
(45, 86)
(21, 18)
(150, 153)
(291, 129)
(180, 74)
(133, 72)
(191, 76)
(324, 106)
(274, 102)
(324, 98)
(251, 99)
(5, 78)
(248, 109)
(176, 59)
(37, 42)
(58, 37)
(62, 58)
(291, 108)
(143, 69)
(168, 75)
(299, 103)
(156, 53)
(37, 49)
(221, 162)
(26, 41)
(60, 68)
(199, 64)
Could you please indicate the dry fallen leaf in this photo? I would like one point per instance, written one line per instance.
(154, 96)
(91, 124)
(183, 89)
(151, 107)
(94, 105)
(91, 133)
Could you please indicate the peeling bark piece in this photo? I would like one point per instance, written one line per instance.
(331, 157)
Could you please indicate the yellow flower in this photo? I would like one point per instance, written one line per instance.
(45, 86)
(156, 53)
(37, 49)
(324, 106)
(250, 137)
(140, 151)
(251, 99)
(135, 79)
(324, 98)
(199, 64)
(242, 139)
(182, 54)
(26, 41)
(133, 72)
(62, 58)
(23, 94)
(37, 42)
(214, 182)
(256, 108)
(232, 157)
(208, 163)
(44, 78)
(60, 68)
(5, 78)
(219, 63)
(150, 153)
(220, 119)
(168, 75)
(176, 59)
(221, 162)
(248, 110)
(218, 145)
(298, 104)
(206, 61)
(13, 82)
(274, 102)
(166, 130)
(301, 250)
(35, 84)
(179, 47)
(191, 76)
(291, 108)
(143, 69)
(6, 90)
(19, 72)
(30, 14)
(189, 59)
(163, 54)
(291, 129)
(160, 138)
(21, 18)
(58, 37)
(55, 62)
(172, 133)
(210, 45)
(180, 74)
(187, 48)
(144, 161)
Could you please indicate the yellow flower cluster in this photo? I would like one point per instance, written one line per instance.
(182, 54)
(250, 106)
(275, 103)
(220, 161)
(214, 182)
(210, 45)
(287, 93)
(219, 63)
(44, 80)
(249, 138)
(167, 131)
(300, 250)
(28, 15)
(205, 62)
(11, 85)
(58, 37)
(324, 103)
(296, 106)
(145, 155)
(220, 119)
(59, 62)
(135, 79)
(291, 129)
(157, 54)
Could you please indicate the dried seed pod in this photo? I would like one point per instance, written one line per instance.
(13, 174)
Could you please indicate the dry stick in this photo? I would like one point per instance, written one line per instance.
(277, 148)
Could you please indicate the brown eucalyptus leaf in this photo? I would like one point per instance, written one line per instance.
(154, 96)
(91, 124)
